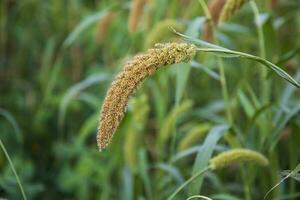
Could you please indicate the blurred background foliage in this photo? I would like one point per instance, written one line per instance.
(57, 59)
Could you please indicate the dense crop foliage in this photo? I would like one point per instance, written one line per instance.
(223, 125)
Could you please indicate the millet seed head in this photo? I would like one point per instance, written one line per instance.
(236, 156)
(127, 81)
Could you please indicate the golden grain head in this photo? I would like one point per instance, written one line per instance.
(126, 82)
(237, 156)
(229, 9)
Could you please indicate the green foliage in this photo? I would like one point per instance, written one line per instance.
(54, 76)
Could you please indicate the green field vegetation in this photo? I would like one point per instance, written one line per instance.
(224, 125)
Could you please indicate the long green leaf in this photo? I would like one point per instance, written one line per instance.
(127, 185)
(171, 170)
(75, 90)
(83, 25)
(10, 118)
(205, 153)
(276, 69)
(274, 138)
(223, 52)
(182, 74)
(13, 169)
(143, 170)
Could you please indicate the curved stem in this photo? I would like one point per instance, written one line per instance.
(199, 197)
(187, 182)
(13, 169)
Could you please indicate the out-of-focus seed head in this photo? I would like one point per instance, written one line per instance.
(215, 7)
(236, 156)
(230, 8)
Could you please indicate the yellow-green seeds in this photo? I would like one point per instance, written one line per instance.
(236, 156)
(134, 72)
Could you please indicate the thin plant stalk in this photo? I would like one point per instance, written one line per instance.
(246, 184)
(199, 197)
(262, 52)
(13, 169)
(220, 63)
(265, 83)
(174, 136)
(231, 140)
(188, 182)
(260, 32)
(222, 79)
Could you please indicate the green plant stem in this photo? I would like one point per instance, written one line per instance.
(220, 64)
(262, 52)
(199, 197)
(225, 90)
(265, 83)
(174, 136)
(13, 169)
(187, 182)
(228, 137)
(260, 32)
(206, 12)
(246, 185)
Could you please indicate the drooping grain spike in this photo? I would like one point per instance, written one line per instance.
(236, 156)
(134, 72)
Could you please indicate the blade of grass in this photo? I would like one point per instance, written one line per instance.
(143, 170)
(173, 171)
(13, 123)
(294, 171)
(223, 52)
(83, 25)
(266, 63)
(196, 175)
(205, 153)
(127, 184)
(199, 197)
(274, 138)
(208, 71)
(75, 90)
(193, 150)
(285, 99)
(197, 41)
(13, 169)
